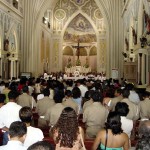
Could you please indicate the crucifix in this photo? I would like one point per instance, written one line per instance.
(78, 48)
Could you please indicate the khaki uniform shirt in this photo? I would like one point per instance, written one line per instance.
(43, 105)
(114, 101)
(86, 104)
(133, 109)
(26, 100)
(53, 113)
(144, 107)
(94, 117)
(70, 103)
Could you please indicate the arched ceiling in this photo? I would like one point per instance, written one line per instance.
(65, 9)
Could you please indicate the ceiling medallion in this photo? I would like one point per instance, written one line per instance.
(60, 14)
(97, 14)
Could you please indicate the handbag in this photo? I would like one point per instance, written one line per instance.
(99, 146)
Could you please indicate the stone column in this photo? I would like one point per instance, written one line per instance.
(0, 66)
(14, 64)
(18, 68)
(143, 67)
(140, 69)
(11, 68)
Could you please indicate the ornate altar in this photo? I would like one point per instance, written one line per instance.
(77, 70)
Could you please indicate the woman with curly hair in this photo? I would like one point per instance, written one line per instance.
(112, 137)
(66, 133)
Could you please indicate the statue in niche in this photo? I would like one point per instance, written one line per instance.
(69, 65)
(6, 45)
(147, 22)
(134, 34)
(127, 44)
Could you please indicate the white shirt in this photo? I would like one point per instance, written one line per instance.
(127, 125)
(13, 145)
(33, 135)
(83, 90)
(134, 97)
(2, 88)
(9, 113)
(31, 89)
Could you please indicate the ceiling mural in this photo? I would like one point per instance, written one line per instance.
(79, 2)
(64, 9)
(80, 29)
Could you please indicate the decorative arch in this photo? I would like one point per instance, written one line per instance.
(48, 4)
(80, 29)
(68, 51)
(93, 51)
(83, 52)
(13, 32)
(73, 16)
(79, 35)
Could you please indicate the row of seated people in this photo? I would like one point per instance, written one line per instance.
(25, 115)
(98, 98)
(88, 141)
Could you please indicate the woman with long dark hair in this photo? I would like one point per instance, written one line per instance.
(66, 133)
(112, 137)
(76, 95)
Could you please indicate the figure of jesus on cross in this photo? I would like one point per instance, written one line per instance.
(78, 52)
(78, 48)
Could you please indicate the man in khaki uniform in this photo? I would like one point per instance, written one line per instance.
(68, 101)
(54, 112)
(89, 101)
(111, 102)
(26, 100)
(95, 115)
(87, 104)
(144, 106)
(133, 108)
(42, 106)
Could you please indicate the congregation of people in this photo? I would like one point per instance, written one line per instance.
(105, 111)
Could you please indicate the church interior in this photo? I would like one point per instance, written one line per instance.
(75, 39)
(110, 37)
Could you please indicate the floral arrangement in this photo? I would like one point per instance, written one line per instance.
(78, 63)
(69, 65)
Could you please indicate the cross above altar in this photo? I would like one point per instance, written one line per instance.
(78, 48)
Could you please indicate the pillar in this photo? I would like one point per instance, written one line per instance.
(0, 66)
(143, 67)
(14, 63)
(11, 69)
